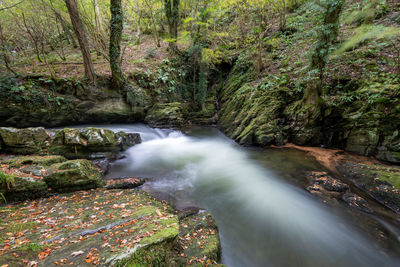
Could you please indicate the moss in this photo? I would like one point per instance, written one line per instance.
(34, 160)
(73, 175)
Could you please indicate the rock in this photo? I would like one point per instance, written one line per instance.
(22, 188)
(327, 182)
(23, 141)
(124, 183)
(98, 227)
(112, 110)
(102, 164)
(73, 175)
(169, 114)
(42, 161)
(198, 239)
(378, 180)
(390, 148)
(363, 141)
(89, 143)
(127, 140)
(355, 201)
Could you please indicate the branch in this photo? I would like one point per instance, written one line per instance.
(8, 7)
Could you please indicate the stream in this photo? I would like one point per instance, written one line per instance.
(258, 199)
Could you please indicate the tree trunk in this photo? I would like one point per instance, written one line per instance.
(82, 39)
(172, 14)
(117, 78)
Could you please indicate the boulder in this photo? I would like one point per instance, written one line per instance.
(124, 183)
(89, 143)
(73, 175)
(168, 114)
(22, 188)
(24, 141)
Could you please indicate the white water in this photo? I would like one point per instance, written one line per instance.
(262, 220)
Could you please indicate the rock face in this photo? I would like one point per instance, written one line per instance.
(105, 228)
(169, 114)
(73, 175)
(72, 143)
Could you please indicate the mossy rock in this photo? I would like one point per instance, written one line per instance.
(73, 175)
(23, 141)
(86, 228)
(363, 141)
(169, 114)
(198, 240)
(113, 109)
(44, 161)
(23, 188)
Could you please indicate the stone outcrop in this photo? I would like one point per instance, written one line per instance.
(88, 142)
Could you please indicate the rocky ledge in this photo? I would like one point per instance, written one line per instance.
(89, 143)
(105, 228)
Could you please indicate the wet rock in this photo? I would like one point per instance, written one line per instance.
(126, 140)
(124, 183)
(98, 227)
(103, 164)
(112, 110)
(355, 201)
(73, 175)
(378, 180)
(327, 182)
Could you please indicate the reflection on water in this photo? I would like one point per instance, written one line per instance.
(263, 221)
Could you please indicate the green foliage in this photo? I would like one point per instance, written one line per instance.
(6, 180)
(367, 32)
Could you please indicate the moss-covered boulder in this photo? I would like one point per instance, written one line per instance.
(86, 228)
(44, 161)
(17, 188)
(168, 114)
(73, 175)
(26, 188)
(72, 143)
(23, 141)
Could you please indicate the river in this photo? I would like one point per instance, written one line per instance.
(257, 197)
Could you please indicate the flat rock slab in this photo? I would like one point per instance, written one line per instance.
(86, 228)
(124, 183)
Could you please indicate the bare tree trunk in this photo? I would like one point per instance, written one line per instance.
(82, 39)
(4, 52)
(117, 78)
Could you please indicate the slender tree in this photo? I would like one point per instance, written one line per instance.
(117, 18)
(172, 14)
(82, 39)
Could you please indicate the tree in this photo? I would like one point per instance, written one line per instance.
(172, 14)
(82, 39)
(117, 18)
(327, 36)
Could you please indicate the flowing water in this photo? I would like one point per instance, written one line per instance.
(265, 217)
